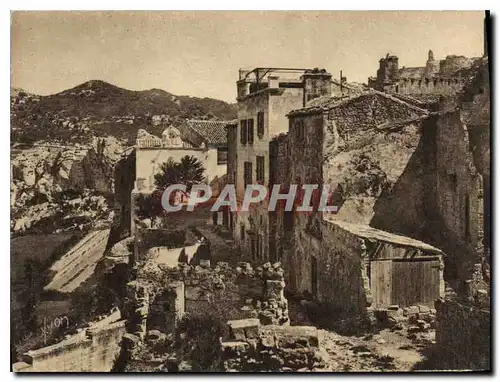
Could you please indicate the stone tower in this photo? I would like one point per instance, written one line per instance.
(388, 71)
(431, 66)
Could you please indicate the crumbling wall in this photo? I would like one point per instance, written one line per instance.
(93, 350)
(459, 195)
(255, 348)
(250, 292)
(463, 335)
(342, 277)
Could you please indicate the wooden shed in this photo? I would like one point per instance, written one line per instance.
(401, 270)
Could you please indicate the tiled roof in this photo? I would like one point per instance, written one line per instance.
(327, 103)
(370, 233)
(211, 131)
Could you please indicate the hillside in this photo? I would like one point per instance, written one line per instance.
(97, 108)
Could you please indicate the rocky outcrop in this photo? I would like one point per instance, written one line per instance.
(49, 180)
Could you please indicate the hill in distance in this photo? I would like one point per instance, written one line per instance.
(99, 108)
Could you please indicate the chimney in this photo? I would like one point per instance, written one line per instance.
(273, 82)
(316, 83)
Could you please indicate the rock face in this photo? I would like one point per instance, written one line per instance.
(49, 178)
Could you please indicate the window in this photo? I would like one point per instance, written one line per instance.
(260, 169)
(242, 232)
(260, 124)
(250, 130)
(247, 175)
(299, 129)
(243, 133)
(222, 155)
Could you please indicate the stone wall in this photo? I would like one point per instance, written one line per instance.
(93, 350)
(147, 238)
(249, 292)
(342, 278)
(463, 335)
(255, 348)
(459, 194)
(124, 179)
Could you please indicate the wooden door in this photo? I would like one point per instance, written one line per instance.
(415, 281)
(381, 282)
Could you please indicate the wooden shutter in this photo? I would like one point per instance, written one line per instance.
(260, 124)
(243, 133)
(250, 130)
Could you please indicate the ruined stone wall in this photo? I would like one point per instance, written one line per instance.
(255, 348)
(459, 192)
(147, 238)
(432, 85)
(451, 64)
(250, 292)
(342, 277)
(93, 350)
(124, 179)
(463, 335)
(368, 112)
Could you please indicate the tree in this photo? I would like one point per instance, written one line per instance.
(188, 171)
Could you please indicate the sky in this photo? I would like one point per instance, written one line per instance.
(199, 53)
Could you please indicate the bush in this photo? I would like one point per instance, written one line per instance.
(201, 332)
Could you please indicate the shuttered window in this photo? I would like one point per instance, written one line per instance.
(250, 130)
(247, 174)
(243, 132)
(260, 170)
(260, 124)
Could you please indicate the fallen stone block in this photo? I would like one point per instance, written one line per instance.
(234, 348)
(238, 328)
(413, 310)
(423, 309)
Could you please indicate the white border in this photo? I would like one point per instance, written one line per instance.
(189, 5)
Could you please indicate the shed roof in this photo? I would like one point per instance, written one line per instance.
(370, 233)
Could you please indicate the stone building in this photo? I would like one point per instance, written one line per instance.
(368, 149)
(392, 166)
(459, 138)
(265, 97)
(441, 77)
(201, 139)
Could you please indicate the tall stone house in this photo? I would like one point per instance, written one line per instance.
(264, 98)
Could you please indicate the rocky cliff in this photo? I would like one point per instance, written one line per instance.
(72, 182)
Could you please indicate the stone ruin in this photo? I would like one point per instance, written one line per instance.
(165, 294)
(254, 292)
(252, 347)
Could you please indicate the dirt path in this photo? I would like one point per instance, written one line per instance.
(387, 350)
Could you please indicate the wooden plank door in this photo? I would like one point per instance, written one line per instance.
(415, 282)
(381, 282)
